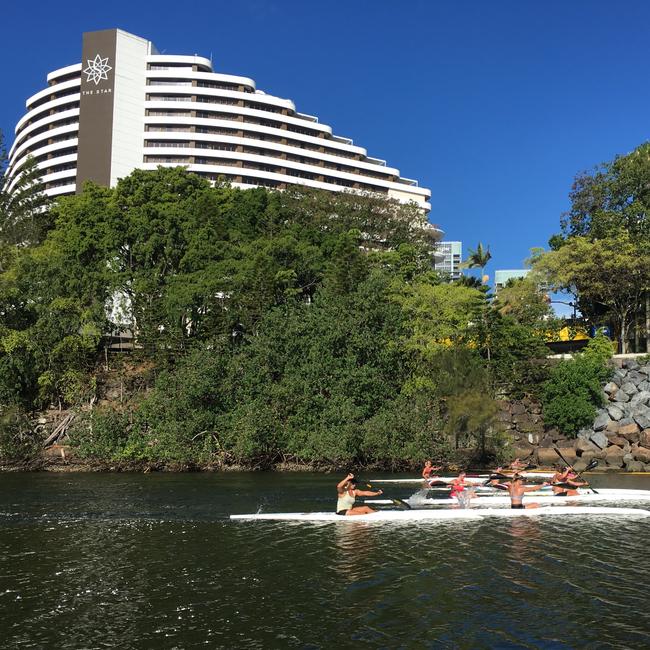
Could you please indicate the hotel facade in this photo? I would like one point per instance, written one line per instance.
(125, 106)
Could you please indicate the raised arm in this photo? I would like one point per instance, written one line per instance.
(340, 487)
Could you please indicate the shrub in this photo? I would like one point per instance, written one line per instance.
(103, 434)
(574, 390)
(17, 441)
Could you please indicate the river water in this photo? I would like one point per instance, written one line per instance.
(152, 561)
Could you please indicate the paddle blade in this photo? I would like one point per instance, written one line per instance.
(401, 504)
(593, 463)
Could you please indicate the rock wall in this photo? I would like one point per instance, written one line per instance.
(619, 437)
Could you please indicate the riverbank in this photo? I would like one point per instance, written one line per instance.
(61, 458)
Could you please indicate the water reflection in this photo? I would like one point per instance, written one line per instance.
(353, 544)
(90, 561)
(523, 545)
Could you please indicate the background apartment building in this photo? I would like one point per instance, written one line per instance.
(449, 256)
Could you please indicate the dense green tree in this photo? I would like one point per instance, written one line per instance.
(614, 197)
(272, 326)
(440, 315)
(522, 300)
(611, 201)
(610, 274)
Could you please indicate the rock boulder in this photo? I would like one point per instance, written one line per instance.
(614, 456)
(641, 453)
(628, 429)
(599, 439)
(629, 388)
(601, 422)
(615, 412)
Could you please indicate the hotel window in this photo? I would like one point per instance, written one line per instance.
(211, 84)
(166, 143)
(168, 82)
(168, 98)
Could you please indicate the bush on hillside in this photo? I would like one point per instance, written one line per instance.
(574, 390)
(17, 440)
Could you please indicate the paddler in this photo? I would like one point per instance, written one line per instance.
(347, 491)
(517, 489)
(517, 464)
(569, 480)
(459, 489)
(429, 469)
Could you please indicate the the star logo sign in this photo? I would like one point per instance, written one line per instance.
(97, 69)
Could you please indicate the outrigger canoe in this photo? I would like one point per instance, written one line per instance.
(446, 515)
(472, 480)
(585, 495)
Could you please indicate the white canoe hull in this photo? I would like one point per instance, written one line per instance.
(444, 515)
(546, 498)
(473, 480)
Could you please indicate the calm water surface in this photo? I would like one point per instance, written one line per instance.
(152, 561)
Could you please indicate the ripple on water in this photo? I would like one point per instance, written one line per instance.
(107, 567)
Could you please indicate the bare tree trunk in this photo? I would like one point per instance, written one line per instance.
(623, 335)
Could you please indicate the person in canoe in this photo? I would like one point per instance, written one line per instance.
(461, 490)
(566, 482)
(518, 464)
(428, 473)
(517, 489)
(348, 492)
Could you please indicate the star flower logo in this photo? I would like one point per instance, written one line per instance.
(97, 69)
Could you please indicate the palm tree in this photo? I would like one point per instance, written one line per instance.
(478, 259)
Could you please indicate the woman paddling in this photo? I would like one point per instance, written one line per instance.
(517, 489)
(518, 464)
(459, 489)
(429, 469)
(569, 482)
(347, 491)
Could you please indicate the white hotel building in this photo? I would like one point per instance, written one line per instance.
(125, 106)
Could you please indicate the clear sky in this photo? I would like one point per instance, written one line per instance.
(495, 105)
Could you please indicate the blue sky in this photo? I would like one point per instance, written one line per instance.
(495, 105)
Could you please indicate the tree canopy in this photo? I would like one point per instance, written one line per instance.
(610, 276)
(266, 326)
